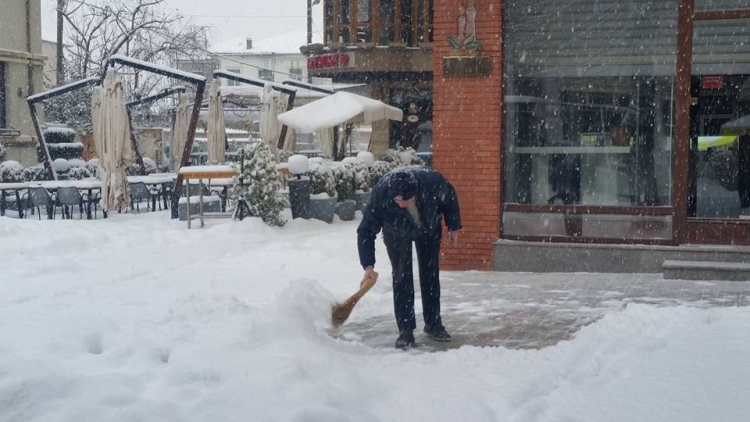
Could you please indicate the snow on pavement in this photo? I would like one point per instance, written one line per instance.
(135, 318)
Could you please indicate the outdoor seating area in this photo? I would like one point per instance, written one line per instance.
(81, 197)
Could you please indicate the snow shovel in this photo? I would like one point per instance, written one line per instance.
(341, 311)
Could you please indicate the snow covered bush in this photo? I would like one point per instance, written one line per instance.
(380, 169)
(402, 157)
(11, 172)
(92, 166)
(3, 153)
(345, 179)
(321, 178)
(261, 185)
(284, 155)
(362, 177)
(35, 173)
(78, 173)
(150, 165)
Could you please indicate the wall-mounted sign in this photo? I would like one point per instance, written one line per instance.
(330, 60)
(9, 133)
(712, 82)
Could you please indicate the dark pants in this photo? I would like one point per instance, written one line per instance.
(428, 258)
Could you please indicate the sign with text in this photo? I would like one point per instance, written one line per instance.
(9, 133)
(712, 81)
(328, 61)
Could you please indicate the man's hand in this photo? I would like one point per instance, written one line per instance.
(370, 273)
(452, 238)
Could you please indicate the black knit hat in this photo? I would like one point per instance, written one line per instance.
(402, 185)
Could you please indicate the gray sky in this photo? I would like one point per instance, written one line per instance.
(227, 19)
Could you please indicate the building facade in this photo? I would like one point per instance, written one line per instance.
(388, 45)
(21, 74)
(595, 122)
(274, 59)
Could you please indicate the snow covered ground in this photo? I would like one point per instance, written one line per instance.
(135, 318)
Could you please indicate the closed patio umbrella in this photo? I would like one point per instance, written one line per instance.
(112, 132)
(270, 128)
(180, 130)
(215, 122)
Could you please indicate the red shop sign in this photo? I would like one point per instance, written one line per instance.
(712, 81)
(330, 60)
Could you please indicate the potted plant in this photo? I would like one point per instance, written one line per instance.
(323, 198)
(362, 181)
(344, 175)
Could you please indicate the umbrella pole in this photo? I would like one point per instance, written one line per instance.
(138, 157)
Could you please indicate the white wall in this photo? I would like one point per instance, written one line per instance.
(248, 65)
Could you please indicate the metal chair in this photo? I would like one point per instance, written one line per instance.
(69, 197)
(40, 197)
(139, 192)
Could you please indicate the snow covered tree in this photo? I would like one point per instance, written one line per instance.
(3, 153)
(97, 29)
(402, 157)
(261, 185)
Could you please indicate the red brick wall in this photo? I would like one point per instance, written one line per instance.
(466, 134)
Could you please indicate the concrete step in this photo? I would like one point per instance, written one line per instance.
(705, 270)
(542, 257)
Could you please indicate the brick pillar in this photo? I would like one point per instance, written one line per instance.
(466, 137)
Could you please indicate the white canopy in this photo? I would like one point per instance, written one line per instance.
(338, 109)
(216, 132)
(112, 140)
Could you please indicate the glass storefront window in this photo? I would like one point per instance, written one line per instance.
(719, 164)
(589, 105)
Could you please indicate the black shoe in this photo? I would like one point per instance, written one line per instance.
(437, 332)
(405, 339)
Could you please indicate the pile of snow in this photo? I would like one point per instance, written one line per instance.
(136, 318)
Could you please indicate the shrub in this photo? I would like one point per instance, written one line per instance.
(380, 169)
(78, 173)
(59, 135)
(11, 172)
(284, 155)
(35, 173)
(402, 157)
(3, 153)
(345, 179)
(321, 179)
(66, 150)
(93, 167)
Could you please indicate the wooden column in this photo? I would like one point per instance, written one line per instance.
(335, 21)
(426, 21)
(681, 148)
(353, 4)
(396, 21)
(375, 21)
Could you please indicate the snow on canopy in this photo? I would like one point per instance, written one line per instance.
(337, 109)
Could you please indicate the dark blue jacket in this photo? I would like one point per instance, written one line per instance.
(436, 198)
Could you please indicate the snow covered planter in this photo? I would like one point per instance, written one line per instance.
(346, 185)
(323, 184)
(363, 181)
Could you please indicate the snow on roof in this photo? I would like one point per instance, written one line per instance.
(288, 43)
